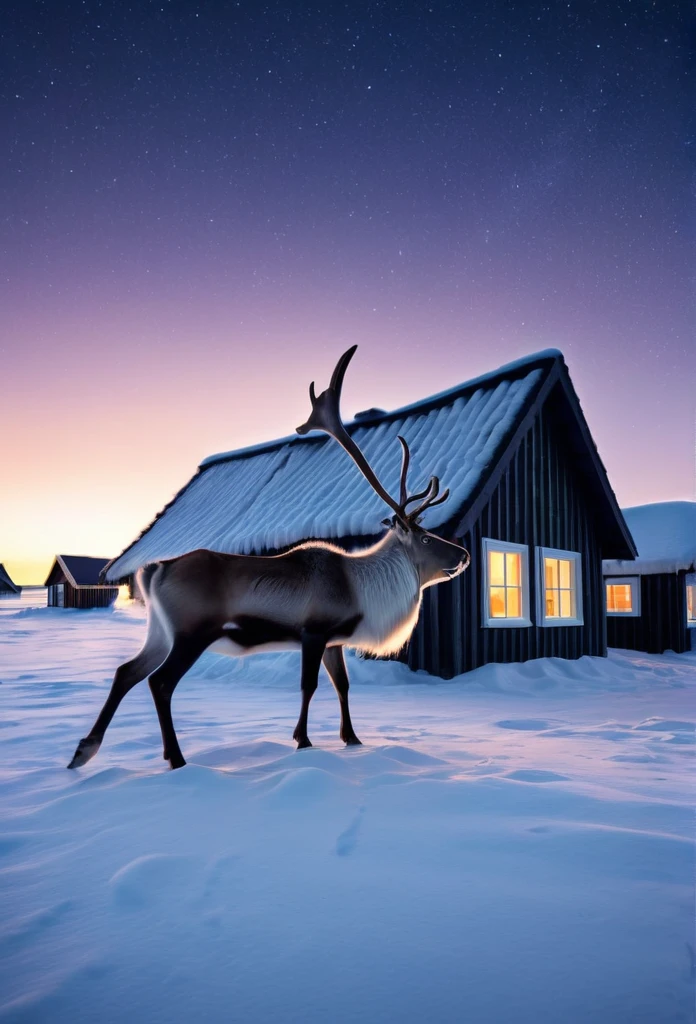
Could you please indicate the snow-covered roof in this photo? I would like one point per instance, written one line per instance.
(79, 570)
(665, 535)
(6, 584)
(270, 496)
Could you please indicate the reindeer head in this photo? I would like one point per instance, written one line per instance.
(434, 559)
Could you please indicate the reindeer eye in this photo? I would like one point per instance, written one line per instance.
(425, 539)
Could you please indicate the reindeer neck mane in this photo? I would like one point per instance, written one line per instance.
(390, 593)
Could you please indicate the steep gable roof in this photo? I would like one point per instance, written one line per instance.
(79, 570)
(270, 496)
(6, 584)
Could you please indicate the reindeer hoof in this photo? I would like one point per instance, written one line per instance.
(86, 749)
(303, 743)
(177, 761)
(352, 741)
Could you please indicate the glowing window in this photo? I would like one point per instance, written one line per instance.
(623, 596)
(559, 587)
(505, 583)
(691, 600)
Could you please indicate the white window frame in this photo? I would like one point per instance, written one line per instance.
(634, 583)
(488, 544)
(575, 558)
(689, 581)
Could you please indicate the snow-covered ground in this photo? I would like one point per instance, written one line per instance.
(512, 846)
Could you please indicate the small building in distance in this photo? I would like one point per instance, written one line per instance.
(651, 601)
(74, 582)
(529, 498)
(7, 587)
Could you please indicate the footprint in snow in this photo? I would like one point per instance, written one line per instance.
(639, 759)
(665, 725)
(348, 839)
(525, 724)
(536, 775)
(27, 928)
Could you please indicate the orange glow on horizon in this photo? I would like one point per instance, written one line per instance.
(80, 477)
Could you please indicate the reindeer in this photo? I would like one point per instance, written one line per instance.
(316, 598)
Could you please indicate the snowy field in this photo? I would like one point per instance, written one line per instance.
(512, 846)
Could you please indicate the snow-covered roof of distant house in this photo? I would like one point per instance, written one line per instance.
(79, 570)
(270, 496)
(6, 583)
(665, 535)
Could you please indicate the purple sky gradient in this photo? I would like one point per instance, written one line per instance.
(204, 204)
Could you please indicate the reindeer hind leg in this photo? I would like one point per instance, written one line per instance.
(335, 665)
(164, 680)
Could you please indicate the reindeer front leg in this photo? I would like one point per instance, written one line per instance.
(313, 647)
(335, 665)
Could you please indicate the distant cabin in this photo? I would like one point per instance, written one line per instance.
(651, 602)
(7, 587)
(74, 582)
(529, 498)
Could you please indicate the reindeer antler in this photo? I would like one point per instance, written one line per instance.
(326, 416)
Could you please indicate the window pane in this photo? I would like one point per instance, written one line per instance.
(564, 573)
(496, 568)
(551, 572)
(497, 602)
(514, 603)
(551, 604)
(691, 602)
(513, 566)
(619, 597)
(566, 606)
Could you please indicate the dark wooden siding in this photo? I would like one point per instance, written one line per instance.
(661, 625)
(539, 501)
(83, 597)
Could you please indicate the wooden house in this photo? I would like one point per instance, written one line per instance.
(529, 498)
(7, 587)
(74, 582)
(651, 602)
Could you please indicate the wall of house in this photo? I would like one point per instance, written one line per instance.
(540, 501)
(82, 597)
(55, 595)
(661, 625)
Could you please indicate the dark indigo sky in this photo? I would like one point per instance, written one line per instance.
(203, 204)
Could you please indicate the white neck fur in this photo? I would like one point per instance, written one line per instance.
(387, 587)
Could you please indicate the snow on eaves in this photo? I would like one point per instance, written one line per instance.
(273, 495)
(665, 535)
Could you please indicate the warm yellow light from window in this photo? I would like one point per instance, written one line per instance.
(619, 597)
(691, 602)
(504, 584)
(559, 596)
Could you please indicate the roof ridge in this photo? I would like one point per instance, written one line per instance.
(513, 369)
